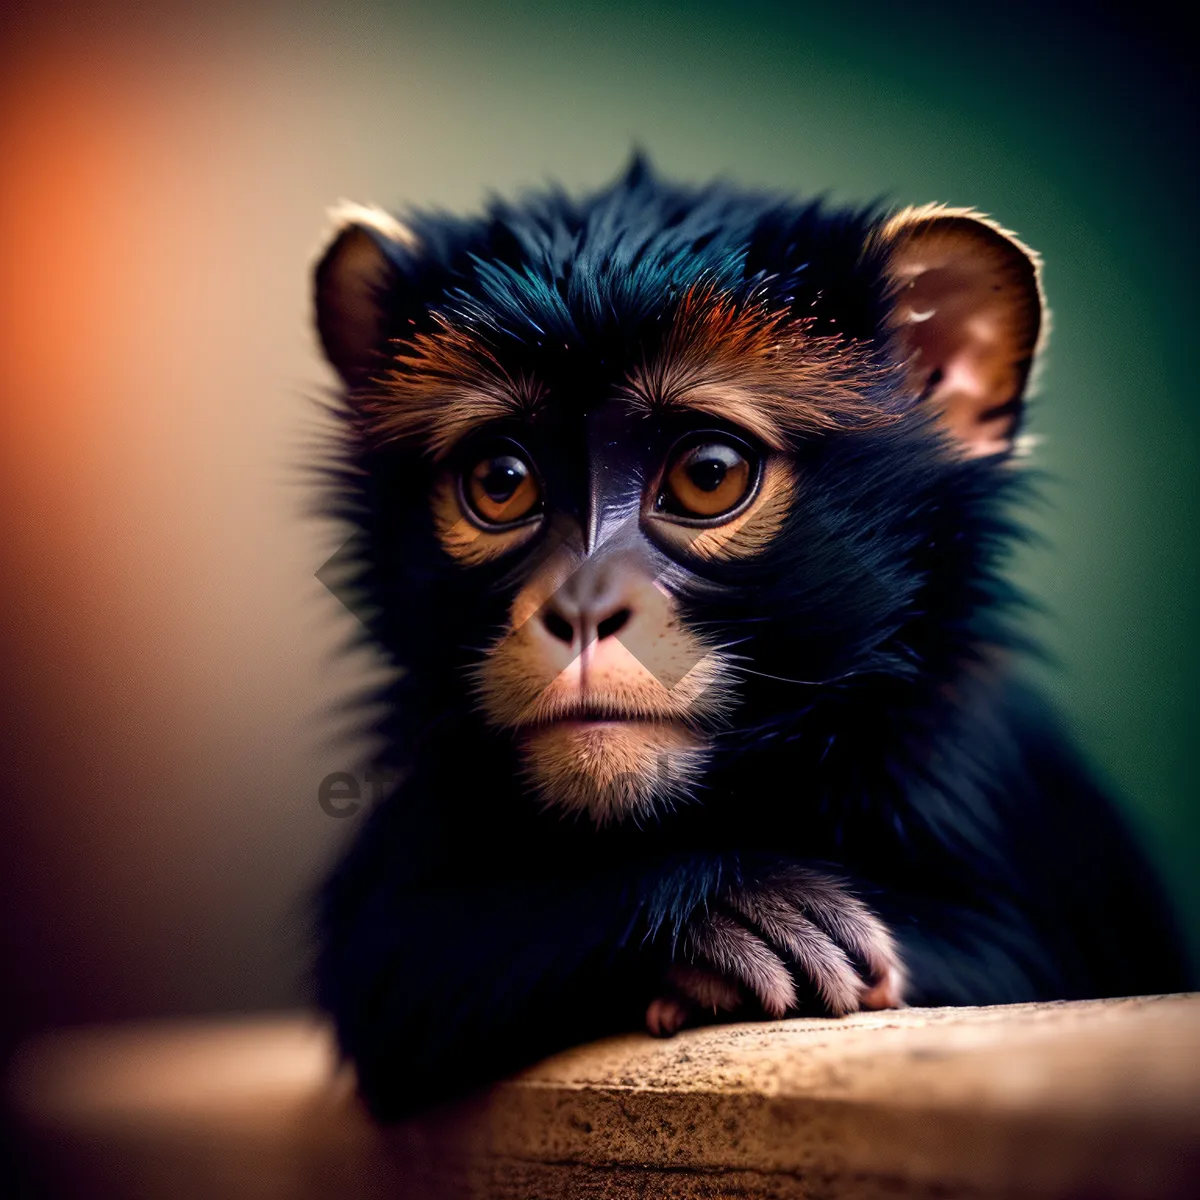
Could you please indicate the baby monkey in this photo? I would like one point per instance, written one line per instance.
(681, 514)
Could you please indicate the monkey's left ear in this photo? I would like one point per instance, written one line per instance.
(352, 283)
(968, 313)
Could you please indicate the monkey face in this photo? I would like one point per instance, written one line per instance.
(612, 694)
(667, 473)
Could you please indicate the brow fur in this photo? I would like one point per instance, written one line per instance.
(443, 384)
(757, 368)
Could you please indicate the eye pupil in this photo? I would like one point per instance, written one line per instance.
(502, 477)
(708, 474)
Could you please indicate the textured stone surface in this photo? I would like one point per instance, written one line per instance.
(1094, 1099)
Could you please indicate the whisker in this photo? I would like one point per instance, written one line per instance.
(736, 666)
(722, 647)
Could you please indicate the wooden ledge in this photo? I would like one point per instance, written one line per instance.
(1094, 1099)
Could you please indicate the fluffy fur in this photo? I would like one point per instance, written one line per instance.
(876, 787)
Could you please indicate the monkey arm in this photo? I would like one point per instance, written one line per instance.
(442, 970)
(1060, 904)
(434, 989)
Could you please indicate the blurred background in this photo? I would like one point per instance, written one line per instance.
(171, 663)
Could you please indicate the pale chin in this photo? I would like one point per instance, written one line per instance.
(613, 770)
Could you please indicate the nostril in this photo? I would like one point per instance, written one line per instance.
(558, 626)
(613, 624)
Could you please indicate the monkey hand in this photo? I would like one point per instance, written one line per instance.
(797, 941)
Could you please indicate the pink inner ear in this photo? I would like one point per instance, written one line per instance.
(967, 312)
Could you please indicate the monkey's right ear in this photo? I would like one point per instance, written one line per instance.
(351, 283)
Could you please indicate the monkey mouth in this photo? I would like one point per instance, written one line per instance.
(594, 713)
(613, 707)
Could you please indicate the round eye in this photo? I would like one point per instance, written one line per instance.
(707, 479)
(500, 489)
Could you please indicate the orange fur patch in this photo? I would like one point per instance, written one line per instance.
(759, 369)
(762, 370)
(443, 385)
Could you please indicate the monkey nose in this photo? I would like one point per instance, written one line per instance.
(595, 603)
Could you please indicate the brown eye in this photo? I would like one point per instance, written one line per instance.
(501, 489)
(707, 480)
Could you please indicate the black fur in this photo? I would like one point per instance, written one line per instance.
(467, 932)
